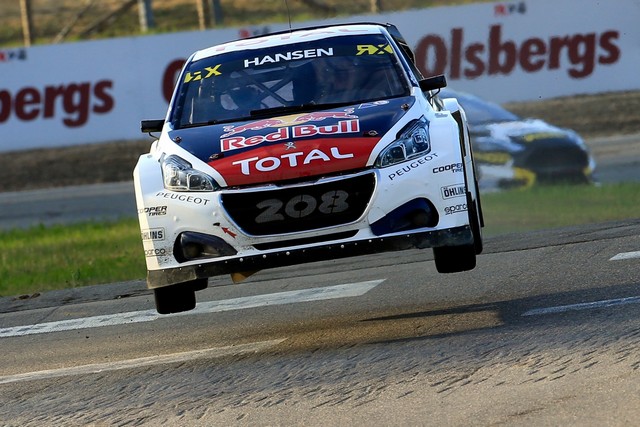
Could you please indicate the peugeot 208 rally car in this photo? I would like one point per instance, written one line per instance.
(301, 146)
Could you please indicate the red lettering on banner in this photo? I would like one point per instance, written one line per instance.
(76, 100)
(501, 56)
(170, 77)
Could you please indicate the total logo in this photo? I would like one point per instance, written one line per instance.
(290, 160)
(295, 132)
(295, 159)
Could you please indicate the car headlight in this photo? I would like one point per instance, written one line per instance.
(178, 175)
(411, 142)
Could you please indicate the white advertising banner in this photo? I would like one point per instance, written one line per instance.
(98, 91)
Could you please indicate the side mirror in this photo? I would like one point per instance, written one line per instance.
(147, 126)
(433, 83)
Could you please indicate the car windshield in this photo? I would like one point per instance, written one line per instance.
(480, 111)
(328, 72)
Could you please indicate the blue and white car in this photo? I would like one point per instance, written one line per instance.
(301, 146)
(513, 152)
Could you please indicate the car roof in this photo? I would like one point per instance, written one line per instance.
(291, 37)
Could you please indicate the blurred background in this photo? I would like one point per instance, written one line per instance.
(25, 22)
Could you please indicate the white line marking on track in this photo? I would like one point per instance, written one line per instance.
(280, 298)
(625, 255)
(582, 306)
(143, 361)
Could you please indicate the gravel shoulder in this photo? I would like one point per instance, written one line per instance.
(592, 116)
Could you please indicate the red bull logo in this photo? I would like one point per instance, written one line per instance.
(293, 132)
(257, 125)
(315, 116)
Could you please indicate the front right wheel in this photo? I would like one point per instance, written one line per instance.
(453, 259)
(179, 297)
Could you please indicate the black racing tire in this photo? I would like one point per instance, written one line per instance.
(476, 229)
(454, 259)
(175, 298)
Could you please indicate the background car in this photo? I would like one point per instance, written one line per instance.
(512, 151)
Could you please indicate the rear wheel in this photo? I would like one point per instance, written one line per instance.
(179, 297)
(476, 228)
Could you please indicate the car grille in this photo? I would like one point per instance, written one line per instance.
(305, 207)
(553, 156)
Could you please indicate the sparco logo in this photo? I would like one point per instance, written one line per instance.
(451, 191)
(455, 208)
(157, 252)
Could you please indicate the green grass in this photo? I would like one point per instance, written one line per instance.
(45, 258)
(57, 257)
(559, 206)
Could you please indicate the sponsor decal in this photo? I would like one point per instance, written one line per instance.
(158, 252)
(316, 116)
(506, 9)
(74, 102)
(334, 201)
(371, 49)
(294, 132)
(202, 74)
(410, 166)
(290, 160)
(270, 163)
(13, 54)
(453, 167)
(451, 191)
(287, 56)
(496, 55)
(449, 210)
(153, 234)
(153, 211)
(229, 232)
(183, 198)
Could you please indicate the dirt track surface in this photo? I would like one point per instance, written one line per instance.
(591, 116)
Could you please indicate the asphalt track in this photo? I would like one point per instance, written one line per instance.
(545, 331)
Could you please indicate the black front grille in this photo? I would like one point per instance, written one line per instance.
(553, 156)
(304, 207)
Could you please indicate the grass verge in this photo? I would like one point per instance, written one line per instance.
(57, 257)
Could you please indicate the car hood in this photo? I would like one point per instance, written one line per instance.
(293, 146)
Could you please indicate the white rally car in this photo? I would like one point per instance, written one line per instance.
(301, 146)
